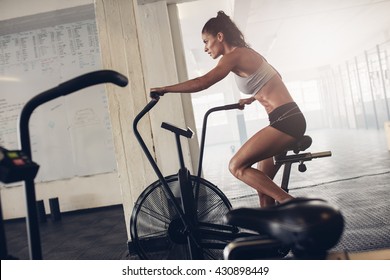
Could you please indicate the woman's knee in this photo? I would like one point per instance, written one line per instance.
(235, 169)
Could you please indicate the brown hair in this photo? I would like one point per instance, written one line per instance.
(222, 23)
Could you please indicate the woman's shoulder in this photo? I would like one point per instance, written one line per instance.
(247, 61)
(243, 55)
(247, 51)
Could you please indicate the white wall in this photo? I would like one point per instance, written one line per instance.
(18, 8)
(75, 193)
(125, 30)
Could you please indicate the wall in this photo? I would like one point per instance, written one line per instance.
(75, 193)
(128, 44)
(18, 8)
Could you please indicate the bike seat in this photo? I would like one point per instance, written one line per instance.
(302, 223)
(300, 145)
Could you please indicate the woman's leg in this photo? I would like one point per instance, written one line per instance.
(268, 167)
(265, 144)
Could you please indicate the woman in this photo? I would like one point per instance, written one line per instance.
(254, 76)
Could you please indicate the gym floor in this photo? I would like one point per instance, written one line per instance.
(355, 179)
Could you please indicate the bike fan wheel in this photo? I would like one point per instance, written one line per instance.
(155, 227)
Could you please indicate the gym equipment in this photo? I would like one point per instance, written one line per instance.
(63, 89)
(308, 226)
(287, 159)
(180, 216)
(15, 166)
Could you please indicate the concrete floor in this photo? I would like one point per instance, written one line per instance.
(355, 179)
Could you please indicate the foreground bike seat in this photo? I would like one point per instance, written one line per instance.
(304, 224)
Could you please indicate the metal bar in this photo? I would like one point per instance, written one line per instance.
(361, 92)
(383, 80)
(204, 127)
(286, 176)
(371, 90)
(83, 81)
(337, 104)
(179, 151)
(3, 240)
(350, 91)
(301, 157)
(344, 97)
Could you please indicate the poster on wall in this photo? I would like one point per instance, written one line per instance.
(70, 136)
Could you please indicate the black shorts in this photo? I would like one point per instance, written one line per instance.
(289, 119)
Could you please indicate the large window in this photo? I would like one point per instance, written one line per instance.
(202, 103)
(363, 83)
(305, 94)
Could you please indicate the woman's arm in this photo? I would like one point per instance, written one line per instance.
(223, 68)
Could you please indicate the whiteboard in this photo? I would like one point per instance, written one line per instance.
(70, 136)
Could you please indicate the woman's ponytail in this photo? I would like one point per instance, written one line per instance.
(223, 23)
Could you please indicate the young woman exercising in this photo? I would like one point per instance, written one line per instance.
(257, 78)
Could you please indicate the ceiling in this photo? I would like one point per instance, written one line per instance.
(294, 35)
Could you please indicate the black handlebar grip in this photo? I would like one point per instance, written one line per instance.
(155, 95)
(231, 106)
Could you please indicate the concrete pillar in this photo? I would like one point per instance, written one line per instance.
(120, 48)
(182, 75)
(137, 42)
(160, 69)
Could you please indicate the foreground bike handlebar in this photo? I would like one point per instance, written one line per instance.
(75, 84)
(63, 89)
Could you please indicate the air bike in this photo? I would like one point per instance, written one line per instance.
(17, 165)
(183, 216)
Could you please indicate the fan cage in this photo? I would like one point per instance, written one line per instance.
(155, 223)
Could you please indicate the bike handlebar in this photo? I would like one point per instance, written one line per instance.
(224, 108)
(75, 84)
(93, 78)
(155, 96)
(203, 137)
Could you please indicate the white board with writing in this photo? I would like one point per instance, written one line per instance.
(70, 136)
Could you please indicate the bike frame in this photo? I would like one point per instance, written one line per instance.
(187, 210)
(66, 88)
(198, 233)
(194, 247)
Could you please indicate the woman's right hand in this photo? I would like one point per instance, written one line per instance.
(156, 92)
(160, 90)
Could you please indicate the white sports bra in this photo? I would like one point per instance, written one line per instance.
(253, 83)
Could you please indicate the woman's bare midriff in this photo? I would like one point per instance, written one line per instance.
(273, 94)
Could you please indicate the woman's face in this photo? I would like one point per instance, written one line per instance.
(212, 44)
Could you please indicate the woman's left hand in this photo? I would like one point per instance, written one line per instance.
(245, 101)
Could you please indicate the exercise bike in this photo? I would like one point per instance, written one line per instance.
(17, 165)
(181, 216)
